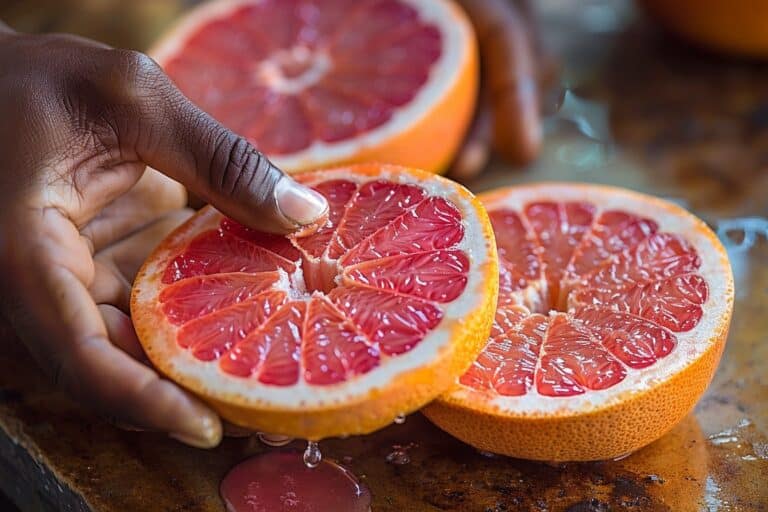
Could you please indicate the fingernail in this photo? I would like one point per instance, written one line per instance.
(205, 433)
(299, 204)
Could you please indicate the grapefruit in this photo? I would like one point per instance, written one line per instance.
(738, 27)
(315, 83)
(333, 333)
(613, 311)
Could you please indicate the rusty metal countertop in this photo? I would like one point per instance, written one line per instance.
(639, 110)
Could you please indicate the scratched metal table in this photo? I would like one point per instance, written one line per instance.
(638, 110)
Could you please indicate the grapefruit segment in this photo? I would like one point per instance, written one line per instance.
(334, 332)
(210, 336)
(340, 113)
(216, 252)
(432, 224)
(613, 232)
(281, 338)
(659, 256)
(508, 363)
(435, 276)
(337, 193)
(194, 297)
(396, 323)
(335, 350)
(317, 83)
(273, 243)
(524, 346)
(558, 228)
(673, 303)
(574, 361)
(375, 205)
(636, 342)
(630, 323)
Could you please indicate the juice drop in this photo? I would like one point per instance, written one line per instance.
(400, 419)
(398, 457)
(312, 455)
(280, 481)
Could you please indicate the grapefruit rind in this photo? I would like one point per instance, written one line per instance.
(608, 423)
(425, 133)
(367, 402)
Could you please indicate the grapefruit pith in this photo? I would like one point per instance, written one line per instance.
(335, 333)
(613, 311)
(315, 83)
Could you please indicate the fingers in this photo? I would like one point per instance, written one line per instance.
(52, 310)
(476, 150)
(127, 255)
(171, 134)
(109, 285)
(510, 75)
(121, 332)
(72, 343)
(116, 266)
(151, 197)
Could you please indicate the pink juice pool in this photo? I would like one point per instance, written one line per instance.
(280, 481)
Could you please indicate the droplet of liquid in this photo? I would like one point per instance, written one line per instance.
(312, 455)
(400, 419)
(279, 481)
(274, 439)
(398, 457)
(488, 455)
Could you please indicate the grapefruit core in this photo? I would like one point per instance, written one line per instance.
(315, 83)
(334, 333)
(613, 312)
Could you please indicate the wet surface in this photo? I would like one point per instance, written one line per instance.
(638, 110)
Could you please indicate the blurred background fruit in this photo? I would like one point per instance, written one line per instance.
(736, 27)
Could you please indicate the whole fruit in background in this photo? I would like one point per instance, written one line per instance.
(334, 333)
(738, 27)
(613, 312)
(314, 83)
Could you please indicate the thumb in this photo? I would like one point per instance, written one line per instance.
(180, 140)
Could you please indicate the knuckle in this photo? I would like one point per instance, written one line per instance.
(136, 65)
(133, 76)
(239, 169)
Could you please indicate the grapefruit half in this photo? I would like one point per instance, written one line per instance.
(331, 334)
(612, 315)
(315, 83)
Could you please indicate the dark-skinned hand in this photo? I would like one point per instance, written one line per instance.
(80, 211)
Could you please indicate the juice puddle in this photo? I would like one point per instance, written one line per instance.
(280, 481)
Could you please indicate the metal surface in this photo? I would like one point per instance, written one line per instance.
(638, 111)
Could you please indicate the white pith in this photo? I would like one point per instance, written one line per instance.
(690, 345)
(302, 396)
(269, 72)
(445, 72)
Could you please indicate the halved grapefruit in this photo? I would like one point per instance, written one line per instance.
(612, 315)
(315, 83)
(335, 333)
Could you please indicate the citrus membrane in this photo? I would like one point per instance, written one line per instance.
(367, 318)
(604, 295)
(313, 82)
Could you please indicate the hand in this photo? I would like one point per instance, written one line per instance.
(508, 114)
(79, 123)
